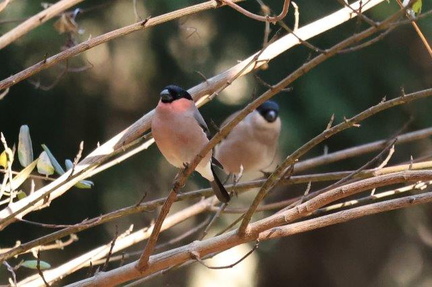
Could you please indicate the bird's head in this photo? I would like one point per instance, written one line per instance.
(172, 92)
(269, 111)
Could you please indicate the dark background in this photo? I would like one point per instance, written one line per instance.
(392, 249)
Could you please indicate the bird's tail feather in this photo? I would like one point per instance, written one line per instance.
(218, 188)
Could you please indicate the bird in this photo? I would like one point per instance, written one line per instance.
(180, 133)
(252, 143)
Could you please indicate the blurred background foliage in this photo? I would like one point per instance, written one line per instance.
(124, 81)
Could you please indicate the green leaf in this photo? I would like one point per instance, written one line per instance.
(4, 159)
(21, 177)
(44, 165)
(53, 160)
(417, 6)
(25, 148)
(21, 194)
(83, 184)
(32, 264)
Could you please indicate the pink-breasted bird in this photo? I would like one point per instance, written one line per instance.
(180, 133)
(252, 144)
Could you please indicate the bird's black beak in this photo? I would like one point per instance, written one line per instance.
(271, 116)
(166, 97)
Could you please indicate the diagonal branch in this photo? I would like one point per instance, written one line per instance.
(277, 174)
(259, 230)
(35, 21)
(84, 168)
(122, 243)
(93, 42)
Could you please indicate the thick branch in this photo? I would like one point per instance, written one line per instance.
(83, 260)
(346, 215)
(223, 242)
(278, 173)
(58, 187)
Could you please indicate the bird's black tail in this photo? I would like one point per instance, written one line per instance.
(218, 188)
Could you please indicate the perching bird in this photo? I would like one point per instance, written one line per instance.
(252, 144)
(180, 133)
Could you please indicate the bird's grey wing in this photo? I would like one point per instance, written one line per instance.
(198, 117)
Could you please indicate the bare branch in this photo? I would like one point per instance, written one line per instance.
(35, 21)
(259, 17)
(265, 229)
(83, 260)
(86, 45)
(346, 215)
(40, 270)
(197, 257)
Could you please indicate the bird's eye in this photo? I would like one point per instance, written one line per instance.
(271, 116)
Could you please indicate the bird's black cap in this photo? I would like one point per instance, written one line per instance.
(172, 92)
(269, 111)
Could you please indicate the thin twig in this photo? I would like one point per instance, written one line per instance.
(38, 267)
(184, 235)
(105, 266)
(369, 198)
(196, 256)
(220, 209)
(12, 271)
(259, 17)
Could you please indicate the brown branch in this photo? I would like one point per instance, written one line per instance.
(377, 196)
(260, 230)
(86, 45)
(116, 144)
(301, 166)
(338, 193)
(346, 215)
(35, 21)
(122, 242)
(359, 150)
(275, 177)
(40, 270)
(183, 175)
(356, 172)
(151, 242)
(107, 260)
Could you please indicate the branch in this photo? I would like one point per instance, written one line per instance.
(346, 215)
(359, 150)
(84, 168)
(91, 43)
(121, 243)
(276, 175)
(259, 17)
(259, 230)
(35, 21)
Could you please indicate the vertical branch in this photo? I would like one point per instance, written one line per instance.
(151, 242)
